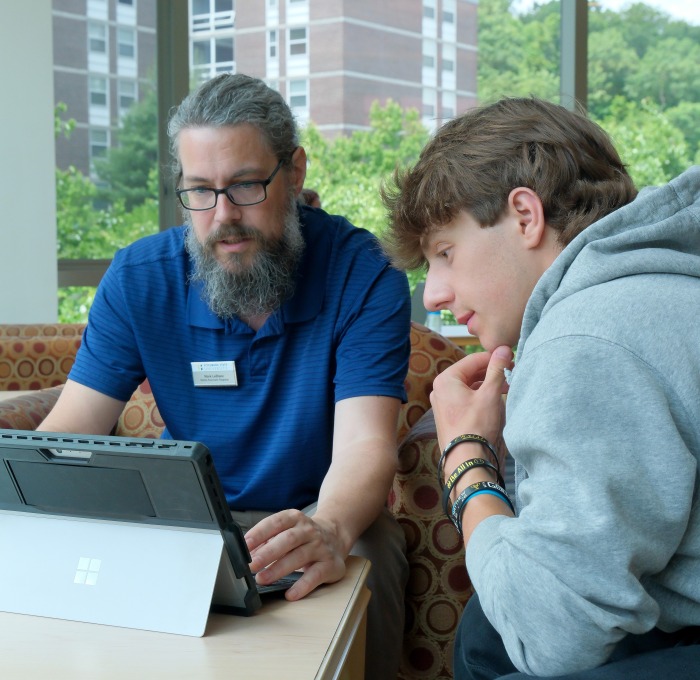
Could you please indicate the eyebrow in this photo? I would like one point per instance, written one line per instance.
(232, 179)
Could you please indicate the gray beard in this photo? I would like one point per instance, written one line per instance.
(261, 287)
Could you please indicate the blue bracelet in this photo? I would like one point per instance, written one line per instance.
(473, 490)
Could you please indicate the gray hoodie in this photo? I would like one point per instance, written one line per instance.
(603, 420)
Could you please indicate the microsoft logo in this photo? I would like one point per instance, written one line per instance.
(86, 573)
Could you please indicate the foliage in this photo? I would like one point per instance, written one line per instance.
(62, 127)
(643, 80)
(126, 167)
(348, 171)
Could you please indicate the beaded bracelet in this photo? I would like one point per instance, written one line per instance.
(459, 440)
(460, 471)
(473, 490)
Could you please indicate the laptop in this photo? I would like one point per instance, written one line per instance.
(120, 531)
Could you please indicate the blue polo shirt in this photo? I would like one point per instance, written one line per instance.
(345, 333)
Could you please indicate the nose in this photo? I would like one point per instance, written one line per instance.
(226, 210)
(437, 294)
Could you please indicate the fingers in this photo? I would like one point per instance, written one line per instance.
(291, 541)
(501, 359)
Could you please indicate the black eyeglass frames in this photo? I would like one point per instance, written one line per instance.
(241, 193)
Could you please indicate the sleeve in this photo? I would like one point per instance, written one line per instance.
(374, 344)
(108, 359)
(605, 505)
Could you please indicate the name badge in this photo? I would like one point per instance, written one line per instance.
(214, 373)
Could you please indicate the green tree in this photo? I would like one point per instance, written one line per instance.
(127, 166)
(653, 148)
(348, 171)
(644, 84)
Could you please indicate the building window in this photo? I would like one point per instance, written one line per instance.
(298, 96)
(126, 43)
(201, 53)
(99, 143)
(126, 92)
(212, 56)
(127, 2)
(272, 44)
(448, 17)
(97, 38)
(212, 15)
(428, 61)
(98, 91)
(223, 54)
(297, 41)
(200, 7)
(448, 65)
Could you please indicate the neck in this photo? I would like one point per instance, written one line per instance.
(255, 322)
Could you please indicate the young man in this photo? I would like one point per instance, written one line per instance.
(534, 236)
(276, 334)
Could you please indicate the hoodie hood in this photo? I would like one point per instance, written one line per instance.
(657, 233)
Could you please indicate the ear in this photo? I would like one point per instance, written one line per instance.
(525, 205)
(298, 169)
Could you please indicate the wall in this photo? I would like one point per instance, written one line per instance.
(28, 267)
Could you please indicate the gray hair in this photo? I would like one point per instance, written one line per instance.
(232, 99)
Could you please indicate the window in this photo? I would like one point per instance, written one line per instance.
(212, 15)
(127, 2)
(126, 94)
(98, 91)
(297, 41)
(201, 52)
(298, 97)
(97, 38)
(428, 61)
(448, 17)
(211, 56)
(126, 43)
(448, 65)
(223, 51)
(272, 44)
(428, 12)
(99, 143)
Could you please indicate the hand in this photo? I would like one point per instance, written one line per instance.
(289, 541)
(467, 396)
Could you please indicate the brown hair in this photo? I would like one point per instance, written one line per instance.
(474, 161)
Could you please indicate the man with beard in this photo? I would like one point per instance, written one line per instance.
(276, 334)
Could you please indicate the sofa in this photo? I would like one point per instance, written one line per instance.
(438, 586)
(35, 356)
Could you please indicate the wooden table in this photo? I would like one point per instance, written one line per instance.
(321, 637)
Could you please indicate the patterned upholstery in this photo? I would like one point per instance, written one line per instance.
(438, 584)
(36, 356)
(25, 412)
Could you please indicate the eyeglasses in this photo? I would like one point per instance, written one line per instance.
(243, 193)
